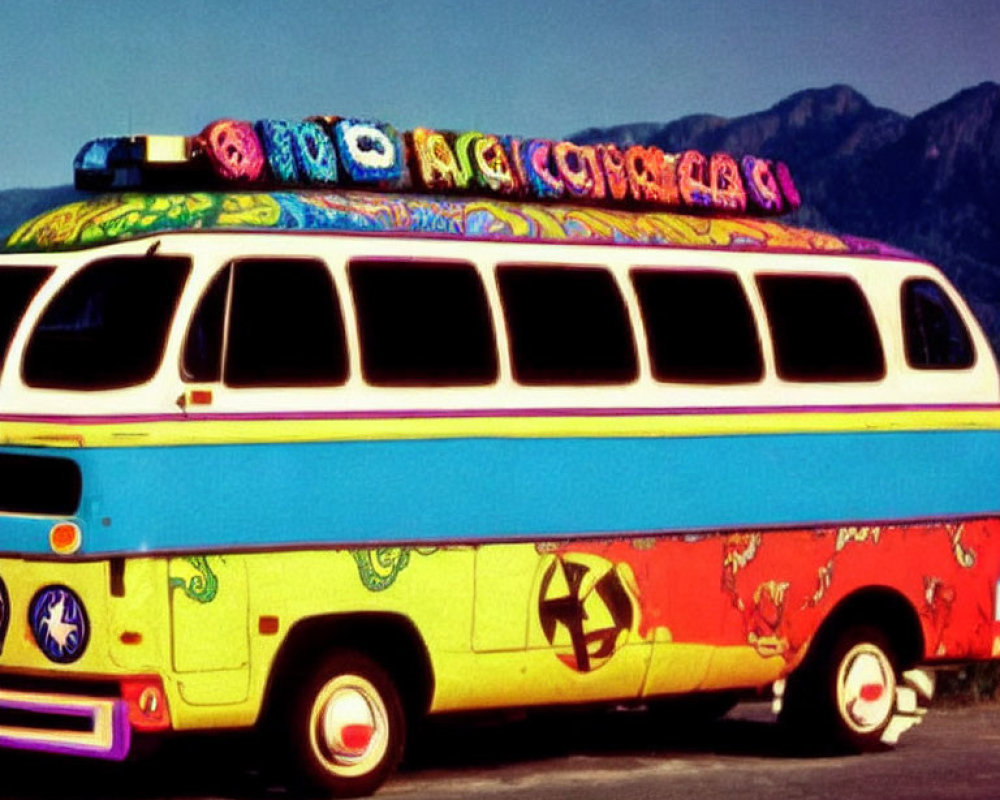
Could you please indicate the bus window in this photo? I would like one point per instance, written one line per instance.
(285, 325)
(18, 285)
(566, 325)
(936, 337)
(423, 323)
(107, 326)
(700, 327)
(202, 360)
(822, 327)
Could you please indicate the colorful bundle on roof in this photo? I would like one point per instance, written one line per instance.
(332, 151)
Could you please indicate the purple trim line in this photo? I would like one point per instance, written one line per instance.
(715, 411)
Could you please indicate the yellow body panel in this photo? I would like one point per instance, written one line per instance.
(211, 626)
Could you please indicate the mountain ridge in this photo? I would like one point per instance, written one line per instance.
(928, 183)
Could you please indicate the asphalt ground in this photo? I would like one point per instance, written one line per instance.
(585, 755)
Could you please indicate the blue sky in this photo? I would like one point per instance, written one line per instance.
(72, 70)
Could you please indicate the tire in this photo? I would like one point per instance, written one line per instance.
(844, 696)
(344, 730)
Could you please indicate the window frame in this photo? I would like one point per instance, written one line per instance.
(430, 261)
(736, 279)
(621, 292)
(956, 314)
(229, 269)
(796, 378)
(185, 265)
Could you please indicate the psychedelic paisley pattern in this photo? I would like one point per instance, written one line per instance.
(202, 587)
(111, 218)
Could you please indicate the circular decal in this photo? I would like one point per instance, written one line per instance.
(59, 624)
(4, 613)
(585, 610)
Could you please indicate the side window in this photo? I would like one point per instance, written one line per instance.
(935, 336)
(106, 328)
(699, 326)
(423, 323)
(18, 285)
(567, 325)
(823, 328)
(202, 358)
(285, 325)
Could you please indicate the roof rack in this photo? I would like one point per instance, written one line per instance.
(325, 152)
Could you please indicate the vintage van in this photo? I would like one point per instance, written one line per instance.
(326, 460)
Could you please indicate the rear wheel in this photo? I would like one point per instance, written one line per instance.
(844, 695)
(345, 727)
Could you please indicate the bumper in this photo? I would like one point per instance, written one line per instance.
(96, 727)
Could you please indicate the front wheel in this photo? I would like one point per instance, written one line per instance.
(845, 696)
(345, 727)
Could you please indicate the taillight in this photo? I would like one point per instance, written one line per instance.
(147, 703)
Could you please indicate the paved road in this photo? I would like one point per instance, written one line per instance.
(593, 756)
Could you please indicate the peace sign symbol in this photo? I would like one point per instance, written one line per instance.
(584, 609)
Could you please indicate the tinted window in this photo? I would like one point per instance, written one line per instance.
(822, 327)
(699, 327)
(936, 337)
(106, 328)
(202, 358)
(18, 286)
(285, 325)
(423, 323)
(566, 325)
(39, 485)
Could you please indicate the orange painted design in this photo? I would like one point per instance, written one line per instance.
(772, 590)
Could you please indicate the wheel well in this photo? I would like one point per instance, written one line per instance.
(391, 640)
(880, 607)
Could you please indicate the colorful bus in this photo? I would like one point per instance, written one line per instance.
(367, 426)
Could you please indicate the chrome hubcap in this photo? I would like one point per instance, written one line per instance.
(866, 688)
(349, 726)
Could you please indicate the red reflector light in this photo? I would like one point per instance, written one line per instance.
(65, 538)
(267, 625)
(147, 704)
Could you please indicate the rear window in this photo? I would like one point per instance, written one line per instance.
(936, 337)
(106, 328)
(823, 328)
(699, 326)
(567, 325)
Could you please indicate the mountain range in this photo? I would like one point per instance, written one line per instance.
(929, 183)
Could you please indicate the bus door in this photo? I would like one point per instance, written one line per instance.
(209, 610)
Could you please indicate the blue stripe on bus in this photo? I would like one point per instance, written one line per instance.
(234, 496)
